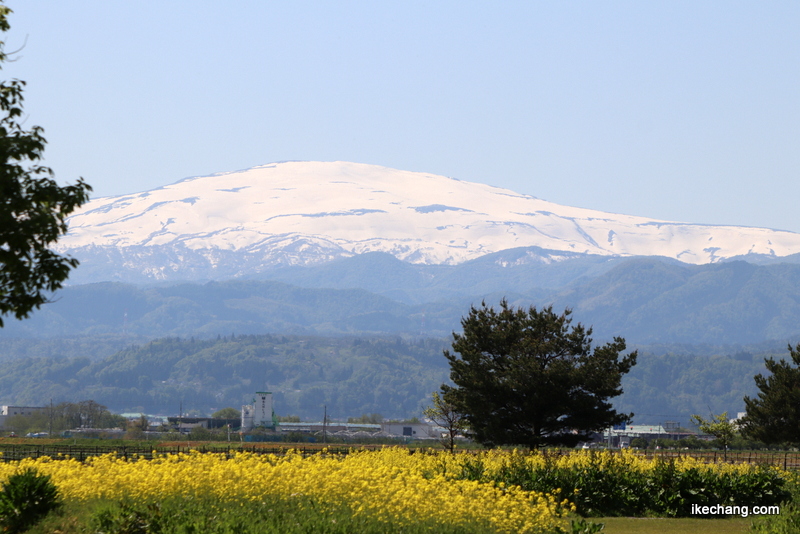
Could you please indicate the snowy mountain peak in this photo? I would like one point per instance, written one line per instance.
(308, 212)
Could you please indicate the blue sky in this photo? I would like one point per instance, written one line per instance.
(685, 111)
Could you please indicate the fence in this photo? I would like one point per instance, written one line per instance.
(784, 459)
(9, 452)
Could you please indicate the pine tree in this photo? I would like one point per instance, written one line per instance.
(528, 377)
(774, 417)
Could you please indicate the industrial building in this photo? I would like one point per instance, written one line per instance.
(621, 435)
(260, 413)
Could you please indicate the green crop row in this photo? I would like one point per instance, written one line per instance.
(615, 485)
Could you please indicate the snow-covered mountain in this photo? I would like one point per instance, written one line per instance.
(299, 213)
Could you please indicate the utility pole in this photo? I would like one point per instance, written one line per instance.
(325, 425)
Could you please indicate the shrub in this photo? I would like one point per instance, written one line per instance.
(129, 519)
(25, 499)
(200, 433)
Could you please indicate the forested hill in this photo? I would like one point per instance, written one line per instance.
(351, 376)
(644, 300)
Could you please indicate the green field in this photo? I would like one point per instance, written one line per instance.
(652, 525)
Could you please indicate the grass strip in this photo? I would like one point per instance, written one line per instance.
(651, 525)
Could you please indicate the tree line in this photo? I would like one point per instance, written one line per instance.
(65, 416)
(530, 377)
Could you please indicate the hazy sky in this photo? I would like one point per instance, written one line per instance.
(685, 111)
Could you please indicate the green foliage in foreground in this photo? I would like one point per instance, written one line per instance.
(671, 525)
(788, 521)
(26, 498)
(619, 489)
(609, 492)
(184, 516)
(33, 207)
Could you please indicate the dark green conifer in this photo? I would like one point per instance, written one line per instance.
(774, 417)
(528, 377)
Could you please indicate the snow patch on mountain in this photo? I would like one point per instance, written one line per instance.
(311, 212)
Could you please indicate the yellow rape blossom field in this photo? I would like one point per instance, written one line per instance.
(622, 460)
(492, 491)
(392, 485)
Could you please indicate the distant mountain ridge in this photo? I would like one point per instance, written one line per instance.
(243, 223)
(645, 300)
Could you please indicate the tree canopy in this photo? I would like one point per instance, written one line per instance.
(446, 416)
(774, 417)
(529, 377)
(65, 416)
(227, 413)
(33, 207)
(718, 426)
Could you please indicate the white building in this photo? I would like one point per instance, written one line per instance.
(260, 413)
(413, 430)
(621, 436)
